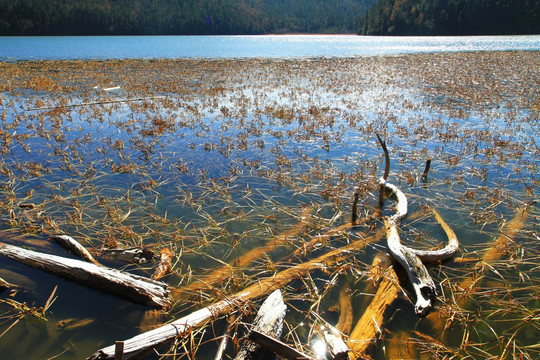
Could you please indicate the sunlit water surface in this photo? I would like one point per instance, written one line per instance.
(232, 159)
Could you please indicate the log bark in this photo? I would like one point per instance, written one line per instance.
(180, 327)
(135, 288)
(269, 321)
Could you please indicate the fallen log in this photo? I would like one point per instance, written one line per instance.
(134, 288)
(180, 327)
(269, 321)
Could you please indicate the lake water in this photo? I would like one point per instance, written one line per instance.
(269, 46)
(216, 159)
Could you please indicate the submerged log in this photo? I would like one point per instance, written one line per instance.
(345, 320)
(370, 324)
(182, 326)
(493, 253)
(269, 321)
(135, 288)
(228, 270)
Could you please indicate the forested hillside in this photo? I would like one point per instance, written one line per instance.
(452, 17)
(147, 17)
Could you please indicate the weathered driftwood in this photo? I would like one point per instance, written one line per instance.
(276, 346)
(446, 253)
(136, 255)
(135, 288)
(180, 327)
(74, 247)
(269, 321)
(421, 281)
(370, 324)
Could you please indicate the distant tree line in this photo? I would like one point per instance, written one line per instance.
(452, 17)
(159, 17)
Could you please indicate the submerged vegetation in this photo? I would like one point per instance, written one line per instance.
(245, 168)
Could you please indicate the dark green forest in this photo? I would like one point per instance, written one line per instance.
(179, 17)
(452, 17)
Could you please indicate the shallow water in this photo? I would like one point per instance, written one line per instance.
(212, 158)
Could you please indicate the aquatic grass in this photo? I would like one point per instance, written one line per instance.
(215, 158)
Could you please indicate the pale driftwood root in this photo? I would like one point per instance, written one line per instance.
(134, 288)
(423, 285)
(410, 259)
(446, 253)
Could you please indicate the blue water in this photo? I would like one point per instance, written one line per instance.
(269, 46)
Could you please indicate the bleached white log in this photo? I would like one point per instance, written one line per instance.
(135, 288)
(269, 320)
